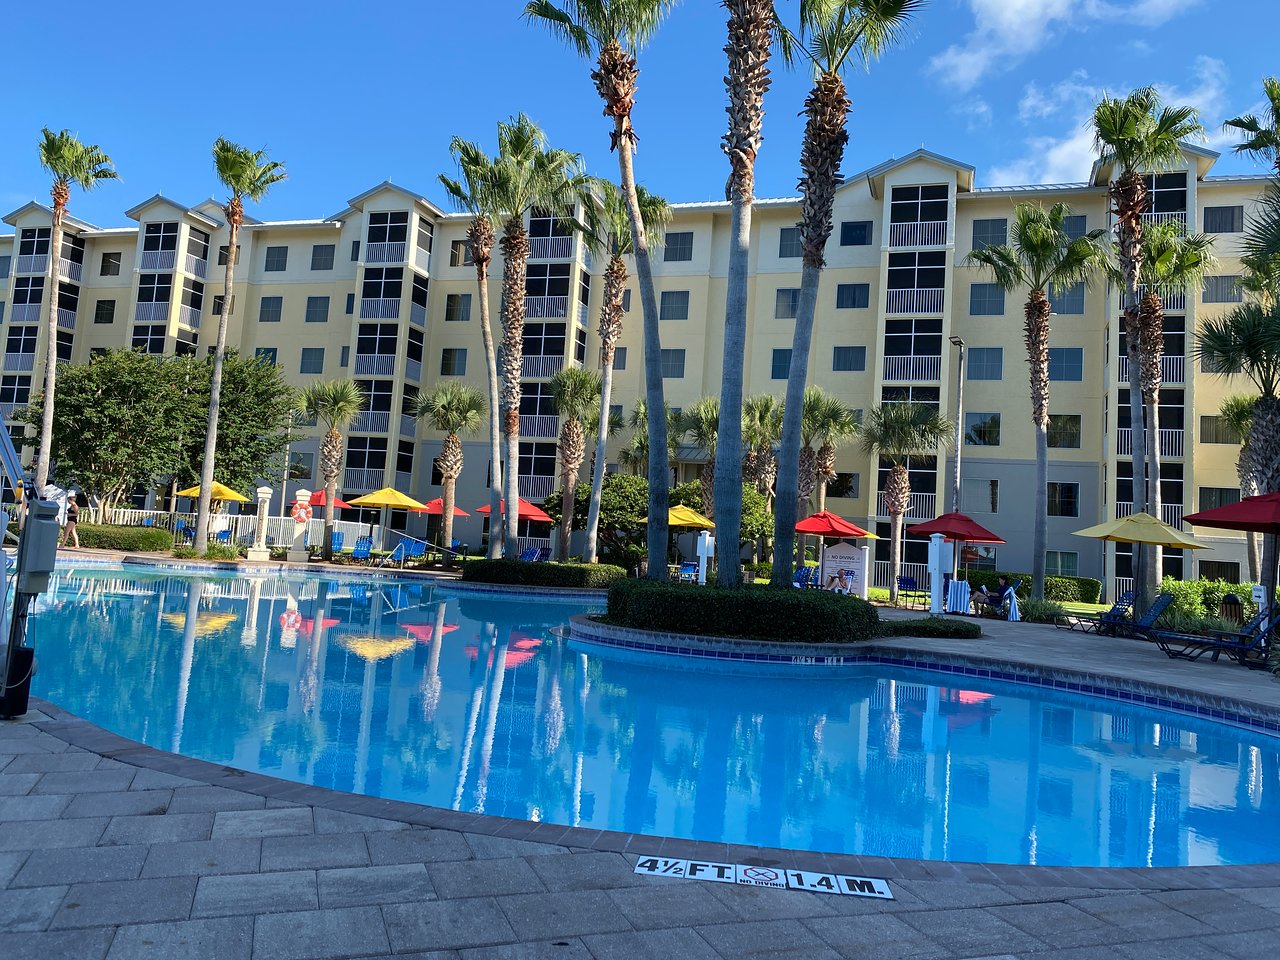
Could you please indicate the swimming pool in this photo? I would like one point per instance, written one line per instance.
(400, 689)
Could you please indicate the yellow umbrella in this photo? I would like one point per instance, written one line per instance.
(387, 497)
(217, 492)
(1142, 528)
(682, 516)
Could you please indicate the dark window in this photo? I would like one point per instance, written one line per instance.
(1075, 226)
(266, 355)
(22, 339)
(855, 233)
(110, 265)
(460, 253)
(312, 360)
(1213, 497)
(404, 456)
(917, 271)
(1066, 363)
(537, 459)
(853, 296)
(986, 300)
(420, 291)
(789, 243)
(982, 430)
(322, 256)
(913, 338)
(6, 262)
(547, 280)
(1167, 192)
(1064, 499)
(986, 363)
(222, 255)
(990, 233)
(193, 294)
(355, 250)
(351, 303)
(620, 358)
(160, 236)
(277, 259)
(413, 346)
(781, 368)
(389, 227)
(382, 283)
(104, 311)
(537, 400)
(785, 303)
(1223, 220)
(544, 340)
(426, 235)
(148, 337)
(28, 290)
(344, 356)
(453, 362)
(457, 307)
(154, 287)
(378, 339)
(1065, 430)
(1228, 570)
(918, 204)
(674, 305)
(317, 310)
(678, 246)
(34, 242)
(1224, 289)
(377, 394)
(217, 305)
(1069, 300)
(270, 309)
(1216, 430)
(580, 346)
(672, 363)
(848, 359)
(367, 453)
(15, 390)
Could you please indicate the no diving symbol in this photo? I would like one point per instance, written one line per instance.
(761, 874)
(756, 875)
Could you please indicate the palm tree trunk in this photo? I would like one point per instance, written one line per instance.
(1036, 338)
(615, 279)
(44, 455)
(481, 253)
(787, 506)
(515, 251)
(448, 499)
(201, 544)
(566, 520)
(895, 554)
(1151, 348)
(1264, 444)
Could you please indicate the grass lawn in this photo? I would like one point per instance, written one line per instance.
(1087, 607)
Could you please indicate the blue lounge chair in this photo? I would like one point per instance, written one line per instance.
(335, 543)
(543, 555)
(997, 606)
(362, 550)
(1143, 627)
(529, 554)
(910, 592)
(223, 536)
(1104, 624)
(149, 522)
(1247, 646)
(415, 550)
(688, 572)
(803, 578)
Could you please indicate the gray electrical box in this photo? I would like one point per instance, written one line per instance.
(38, 547)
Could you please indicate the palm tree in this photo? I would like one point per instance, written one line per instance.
(701, 423)
(836, 424)
(1262, 243)
(614, 32)
(335, 403)
(69, 162)
(247, 174)
(1262, 137)
(751, 31)
(833, 34)
(761, 431)
(577, 396)
(636, 456)
(473, 193)
(452, 409)
(1135, 136)
(1041, 257)
(896, 431)
(1236, 414)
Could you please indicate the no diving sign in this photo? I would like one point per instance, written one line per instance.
(751, 875)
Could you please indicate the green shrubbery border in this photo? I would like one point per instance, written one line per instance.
(525, 573)
(140, 539)
(1058, 589)
(931, 627)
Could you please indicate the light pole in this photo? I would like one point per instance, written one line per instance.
(955, 480)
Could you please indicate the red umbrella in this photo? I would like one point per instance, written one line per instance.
(824, 524)
(956, 526)
(1259, 514)
(436, 508)
(318, 499)
(527, 511)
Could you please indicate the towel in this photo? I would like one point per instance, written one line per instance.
(1013, 607)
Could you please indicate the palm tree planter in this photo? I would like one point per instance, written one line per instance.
(452, 409)
(335, 403)
(577, 395)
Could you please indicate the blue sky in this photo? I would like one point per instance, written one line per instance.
(348, 97)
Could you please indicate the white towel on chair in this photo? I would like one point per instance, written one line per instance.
(1013, 607)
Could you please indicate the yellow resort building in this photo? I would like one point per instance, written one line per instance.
(383, 292)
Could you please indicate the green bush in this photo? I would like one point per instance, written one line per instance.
(763, 570)
(931, 627)
(802, 616)
(140, 539)
(221, 551)
(1179, 621)
(593, 575)
(1058, 589)
(1041, 611)
(1203, 598)
(625, 555)
(184, 552)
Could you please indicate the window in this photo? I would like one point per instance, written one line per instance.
(404, 456)
(1064, 499)
(1066, 363)
(845, 485)
(419, 293)
(110, 265)
(785, 303)
(1064, 430)
(460, 253)
(6, 261)
(155, 287)
(781, 364)
(269, 309)
(925, 204)
(22, 339)
(626, 301)
(1223, 220)
(160, 236)
(28, 290)
(351, 304)
(986, 363)
(389, 227)
(620, 358)
(222, 255)
(453, 362)
(457, 307)
(544, 339)
(789, 243)
(1075, 226)
(917, 271)
(1228, 570)
(979, 496)
(148, 337)
(382, 283)
(377, 395)
(913, 338)
(193, 294)
(986, 300)
(547, 280)
(990, 233)
(1167, 192)
(674, 305)
(537, 460)
(580, 346)
(848, 359)
(1216, 430)
(266, 355)
(367, 453)
(1061, 563)
(584, 288)
(322, 256)
(413, 346)
(672, 363)
(217, 305)
(1224, 289)
(34, 242)
(982, 430)
(312, 360)
(425, 236)
(302, 464)
(1213, 497)
(355, 250)
(317, 310)
(537, 400)
(855, 233)
(104, 311)
(377, 339)
(678, 246)
(344, 357)
(15, 390)
(853, 296)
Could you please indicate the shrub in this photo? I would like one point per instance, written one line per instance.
(763, 570)
(803, 616)
(221, 551)
(183, 552)
(1179, 621)
(1203, 598)
(931, 627)
(1041, 611)
(140, 539)
(624, 555)
(1059, 589)
(593, 575)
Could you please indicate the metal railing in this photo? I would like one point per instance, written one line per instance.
(550, 248)
(1120, 585)
(526, 543)
(66, 319)
(1173, 298)
(380, 308)
(413, 369)
(157, 260)
(197, 267)
(384, 252)
(1171, 442)
(69, 269)
(7, 409)
(280, 530)
(371, 421)
(151, 311)
(375, 364)
(922, 300)
(32, 263)
(882, 573)
(418, 315)
(24, 312)
(19, 362)
(1175, 216)
(543, 307)
(913, 368)
(1170, 513)
(536, 488)
(920, 507)
(356, 478)
(927, 233)
(1173, 369)
(408, 426)
(190, 316)
(541, 367)
(539, 426)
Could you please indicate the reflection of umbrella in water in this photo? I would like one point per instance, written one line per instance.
(520, 649)
(424, 632)
(372, 649)
(208, 622)
(309, 623)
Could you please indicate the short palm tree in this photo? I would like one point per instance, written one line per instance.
(247, 174)
(577, 396)
(833, 35)
(335, 403)
(836, 425)
(700, 422)
(453, 409)
(613, 32)
(69, 162)
(761, 431)
(1236, 414)
(897, 431)
(636, 455)
(1042, 258)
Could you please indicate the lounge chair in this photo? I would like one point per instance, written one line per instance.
(910, 592)
(223, 536)
(1104, 624)
(688, 572)
(415, 550)
(529, 554)
(1141, 629)
(1247, 646)
(335, 542)
(543, 555)
(1000, 606)
(362, 550)
(803, 578)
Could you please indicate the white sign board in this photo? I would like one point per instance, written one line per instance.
(1259, 594)
(850, 558)
(756, 875)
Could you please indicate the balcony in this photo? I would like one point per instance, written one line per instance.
(196, 267)
(928, 233)
(1172, 370)
(418, 315)
(413, 370)
(924, 300)
(536, 308)
(1170, 513)
(539, 426)
(550, 248)
(1171, 442)
(69, 270)
(913, 369)
(375, 364)
(1173, 298)
(66, 319)
(158, 260)
(32, 263)
(384, 252)
(408, 425)
(355, 478)
(380, 308)
(189, 316)
(151, 312)
(540, 368)
(1177, 216)
(536, 488)
(921, 507)
(24, 313)
(19, 362)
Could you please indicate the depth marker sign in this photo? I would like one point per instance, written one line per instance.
(750, 875)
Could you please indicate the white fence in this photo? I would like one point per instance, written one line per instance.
(543, 307)
(384, 252)
(550, 248)
(923, 300)
(1173, 369)
(917, 571)
(929, 233)
(280, 530)
(380, 308)
(1170, 513)
(921, 506)
(1171, 442)
(539, 366)
(912, 369)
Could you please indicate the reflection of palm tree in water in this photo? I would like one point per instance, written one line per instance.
(583, 685)
(499, 674)
(431, 674)
(473, 714)
(553, 715)
(194, 593)
(309, 685)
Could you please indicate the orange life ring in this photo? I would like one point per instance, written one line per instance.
(301, 512)
(291, 620)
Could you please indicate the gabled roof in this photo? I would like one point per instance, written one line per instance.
(875, 175)
(135, 212)
(356, 203)
(69, 220)
(1205, 158)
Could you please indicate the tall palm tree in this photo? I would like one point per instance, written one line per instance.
(636, 456)
(751, 24)
(833, 35)
(1236, 413)
(613, 32)
(700, 422)
(474, 194)
(836, 424)
(896, 431)
(453, 409)
(1042, 258)
(69, 162)
(1134, 136)
(247, 174)
(761, 431)
(577, 396)
(1262, 242)
(609, 227)
(335, 403)
(1262, 136)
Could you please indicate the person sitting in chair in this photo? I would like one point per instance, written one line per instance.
(838, 581)
(992, 600)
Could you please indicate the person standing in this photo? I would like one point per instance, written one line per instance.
(69, 535)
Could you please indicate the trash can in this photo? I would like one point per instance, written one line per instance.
(1231, 609)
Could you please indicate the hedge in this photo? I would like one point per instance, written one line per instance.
(931, 627)
(801, 616)
(140, 539)
(1203, 598)
(525, 573)
(1058, 589)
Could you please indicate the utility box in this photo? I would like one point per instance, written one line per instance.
(38, 547)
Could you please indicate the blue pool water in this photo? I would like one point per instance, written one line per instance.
(400, 689)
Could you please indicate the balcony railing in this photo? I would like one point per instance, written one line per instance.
(542, 367)
(408, 426)
(19, 362)
(917, 571)
(380, 308)
(912, 369)
(418, 315)
(550, 248)
(536, 488)
(384, 252)
(413, 370)
(1172, 369)
(924, 300)
(375, 364)
(928, 233)
(1170, 513)
(540, 426)
(66, 319)
(7, 409)
(32, 263)
(921, 507)
(1171, 442)
(157, 260)
(1176, 216)
(24, 313)
(542, 307)
(151, 311)
(69, 269)
(1121, 585)
(197, 267)
(189, 316)
(1173, 298)
(355, 478)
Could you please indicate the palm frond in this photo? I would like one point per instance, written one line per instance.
(67, 160)
(576, 392)
(1246, 340)
(452, 408)
(245, 172)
